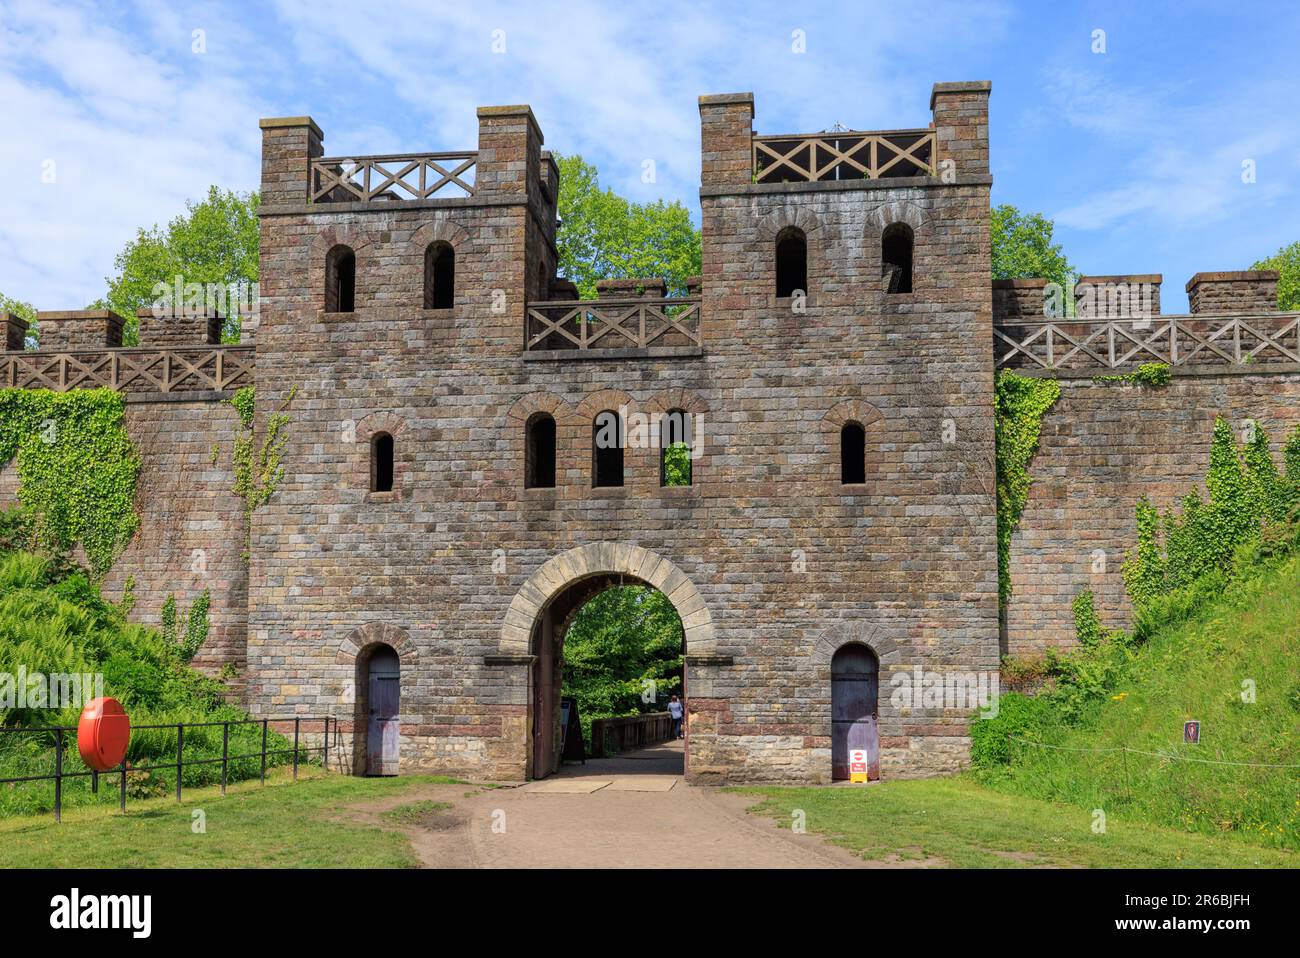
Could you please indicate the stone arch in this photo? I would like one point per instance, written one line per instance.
(874, 636)
(850, 410)
(901, 211)
(606, 558)
(375, 633)
(799, 217)
(442, 229)
(603, 399)
(526, 407)
(333, 236)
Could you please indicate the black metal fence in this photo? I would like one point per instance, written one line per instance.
(63, 733)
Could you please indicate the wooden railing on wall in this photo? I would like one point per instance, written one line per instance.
(843, 156)
(657, 326)
(613, 735)
(404, 176)
(202, 369)
(1064, 344)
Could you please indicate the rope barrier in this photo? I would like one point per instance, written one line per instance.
(1137, 751)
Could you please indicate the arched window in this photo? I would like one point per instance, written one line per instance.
(675, 448)
(340, 280)
(853, 454)
(896, 257)
(607, 449)
(539, 452)
(381, 462)
(439, 276)
(791, 261)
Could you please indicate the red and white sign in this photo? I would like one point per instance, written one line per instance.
(857, 765)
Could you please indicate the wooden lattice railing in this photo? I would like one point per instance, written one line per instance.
(1195, 340)
(843, 156)
(413, 176)
(655, 325)
(201, 369)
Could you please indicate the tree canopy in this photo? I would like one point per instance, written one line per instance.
(623, 654)
(1023, 248)
(1287, 262)
(605, 236)
(25, 310)
(213, 243)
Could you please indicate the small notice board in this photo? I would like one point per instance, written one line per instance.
(857, 765)
(572, 746)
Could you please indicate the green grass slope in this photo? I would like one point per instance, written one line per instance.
(1114, 740)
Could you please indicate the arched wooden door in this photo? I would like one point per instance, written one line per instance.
(383, 704)
(854, 692)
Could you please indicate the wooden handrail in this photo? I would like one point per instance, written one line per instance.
(366, 179)
(178, 370)
(849, 155)
(603, 324)
(1237, 340)
(629, 731)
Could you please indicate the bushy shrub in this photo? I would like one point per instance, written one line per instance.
(1019, 716)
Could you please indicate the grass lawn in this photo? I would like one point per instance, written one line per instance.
(280, 825)
(965, 825)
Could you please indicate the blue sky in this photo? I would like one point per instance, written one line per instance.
(1136, 152)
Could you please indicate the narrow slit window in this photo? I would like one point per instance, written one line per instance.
(381, 463)
(539, 470)
(439, 276)
(791, 262)
(675, 449)
(340, 280)
(896, 258)
(853, 454)
(607, 450)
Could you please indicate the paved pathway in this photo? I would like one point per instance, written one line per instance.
(634, 811)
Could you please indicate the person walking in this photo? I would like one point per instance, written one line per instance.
(676, 710)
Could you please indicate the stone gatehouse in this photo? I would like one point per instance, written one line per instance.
(447, 507)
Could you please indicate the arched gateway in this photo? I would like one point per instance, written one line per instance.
(544, 606)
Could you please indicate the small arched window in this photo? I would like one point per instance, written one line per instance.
(791, 261)
(675, 448)
(896, 258)
(539, 452)
(607, 442)
(381, 462)
(853, 454)
(439, 276)
(340, 280)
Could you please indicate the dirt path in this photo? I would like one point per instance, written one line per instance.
(630, 812)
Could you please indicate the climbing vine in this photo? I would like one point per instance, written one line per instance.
(1020, 403)
(1154, 375)
(1247, 495)
(258, 469)
(77, 469)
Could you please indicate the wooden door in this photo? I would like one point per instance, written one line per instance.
(384, 705)
(854, 691)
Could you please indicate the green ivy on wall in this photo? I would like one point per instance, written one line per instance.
(1247, 494)
(1154, 375)
(77, 469)
(1020, 403)
(259, 470)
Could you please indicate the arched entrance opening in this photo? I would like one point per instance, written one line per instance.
(855, 687)
(626, 647)
(378, 683)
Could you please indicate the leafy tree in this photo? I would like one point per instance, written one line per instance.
(1287, 262)
(26, 310)
(1023, 247)
(623, 654)
(213, 242)
(605, 236)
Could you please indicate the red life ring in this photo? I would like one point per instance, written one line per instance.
(103, 733)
